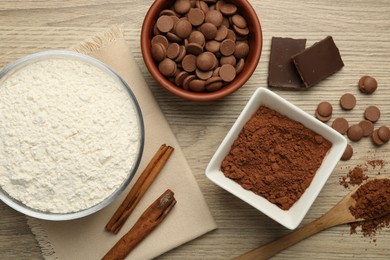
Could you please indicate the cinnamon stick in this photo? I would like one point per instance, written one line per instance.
(148, 221)
(140, 187)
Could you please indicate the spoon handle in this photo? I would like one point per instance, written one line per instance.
(272, 248)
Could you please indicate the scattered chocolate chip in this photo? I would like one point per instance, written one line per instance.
(372, 113)
(355, 133)
(347, 101)
(322, 118)
(368, 127)
(348, 152)
(341, 125)
(384, 133)
(325, 109)
(367, 84)
(375, 138)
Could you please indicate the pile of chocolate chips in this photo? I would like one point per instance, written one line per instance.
(200, 45)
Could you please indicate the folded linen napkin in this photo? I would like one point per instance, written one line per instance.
(86, 238)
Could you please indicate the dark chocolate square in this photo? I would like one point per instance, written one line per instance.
(282, 72)
(318, 61)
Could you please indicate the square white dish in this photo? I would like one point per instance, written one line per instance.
(289, 218)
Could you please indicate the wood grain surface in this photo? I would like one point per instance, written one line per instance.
(361, 29)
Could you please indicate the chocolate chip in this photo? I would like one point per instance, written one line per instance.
(173, 37)
(239, 21)
(183, 28)
(384, 133)
(213, 46)
(179, 79)
(228, 47)
(189, 63)
(197, 37)
(182, 6)
(203, 75)
(205, 61)
(164, 23)
(209, 30)
(215, 17)
(227, 72)
(160, 39)
(367, 84)
(228, 60)
(187, 80)
(372, 113)
(158, 52)
(375, 138)
(355, 133)
(348, 152)
(194, 48)
(173, 51)
(195, 16)
(228, 9)
(221, 33)
(197, 85)
(322, 118)
(367, 127)
(347, 101)
(214, 83)
(182, 53)
(241, 31)
(325, 109)
(167, 67)
(241, 50)
(240, 66)
(341, 125)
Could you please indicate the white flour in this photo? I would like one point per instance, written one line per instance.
(68, 135)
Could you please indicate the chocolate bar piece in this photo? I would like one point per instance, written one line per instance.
(282, 72)
(318, 61)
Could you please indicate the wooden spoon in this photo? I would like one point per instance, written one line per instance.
(338, 215)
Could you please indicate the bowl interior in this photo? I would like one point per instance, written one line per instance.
(254, 40)
(19, 206)
(289, 218)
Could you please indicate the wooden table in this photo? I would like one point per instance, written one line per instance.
(360, 28)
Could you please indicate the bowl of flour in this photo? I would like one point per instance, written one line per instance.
(71, 135)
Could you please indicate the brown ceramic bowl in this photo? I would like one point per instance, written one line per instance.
(255, 46)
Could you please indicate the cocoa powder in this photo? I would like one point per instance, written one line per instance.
(354, 177)
(373, 205)
(275, 157)
(357, 175)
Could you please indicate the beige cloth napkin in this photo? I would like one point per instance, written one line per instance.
(85, 238)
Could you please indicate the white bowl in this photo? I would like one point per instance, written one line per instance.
(289, 218)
